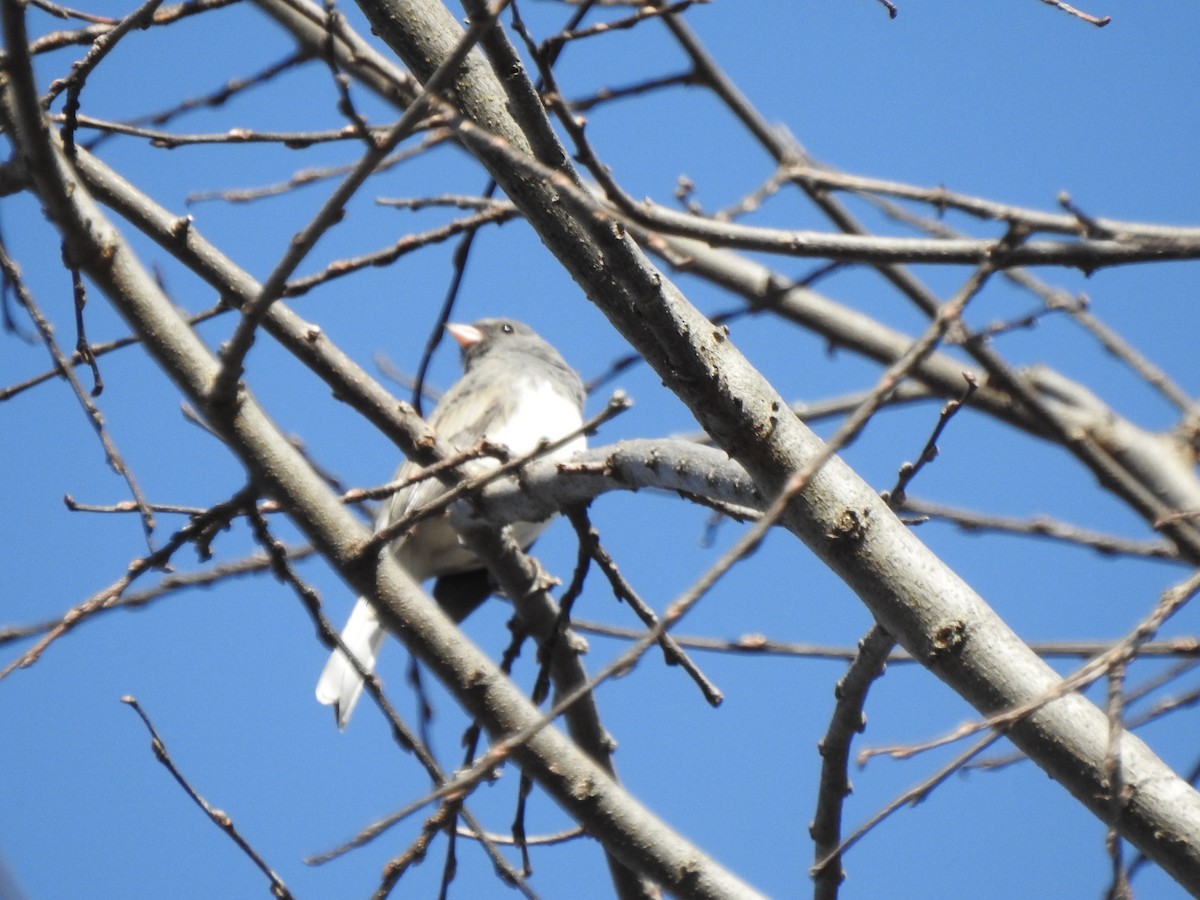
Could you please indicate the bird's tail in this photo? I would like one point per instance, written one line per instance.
(339, 685)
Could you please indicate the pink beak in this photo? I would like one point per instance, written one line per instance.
(466, 335)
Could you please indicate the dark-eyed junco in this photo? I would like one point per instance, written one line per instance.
(516, 390)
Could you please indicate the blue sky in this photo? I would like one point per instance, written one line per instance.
(1015, 102)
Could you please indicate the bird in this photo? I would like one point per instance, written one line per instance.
(515, 390)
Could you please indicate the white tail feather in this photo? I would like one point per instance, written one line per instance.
(339, 685)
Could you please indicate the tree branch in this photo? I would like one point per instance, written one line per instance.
(912, 593)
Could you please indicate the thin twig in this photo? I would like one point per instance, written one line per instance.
(305, 177)
(12, 275)
(1114, 774)
(1042, 526)
(97, 350)
(847, 720)
(556, 40)
(498, 214)
(199, 531)
(1098, 21)
(908, 471)
(912, 796)
(219, 817)
(589, 539)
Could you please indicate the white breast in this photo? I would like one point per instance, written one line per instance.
(543, 413)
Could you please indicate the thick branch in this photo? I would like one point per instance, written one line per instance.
(912, 593)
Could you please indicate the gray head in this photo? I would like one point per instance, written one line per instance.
(496, 341)
(487, 335)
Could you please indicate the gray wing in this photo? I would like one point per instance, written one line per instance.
(468, 411)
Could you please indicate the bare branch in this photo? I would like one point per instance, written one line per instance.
(848, 720)
(219, 817)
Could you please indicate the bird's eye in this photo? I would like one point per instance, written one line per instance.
(506, 328)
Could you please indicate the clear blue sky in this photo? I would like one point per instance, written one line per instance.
(1015, 102)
